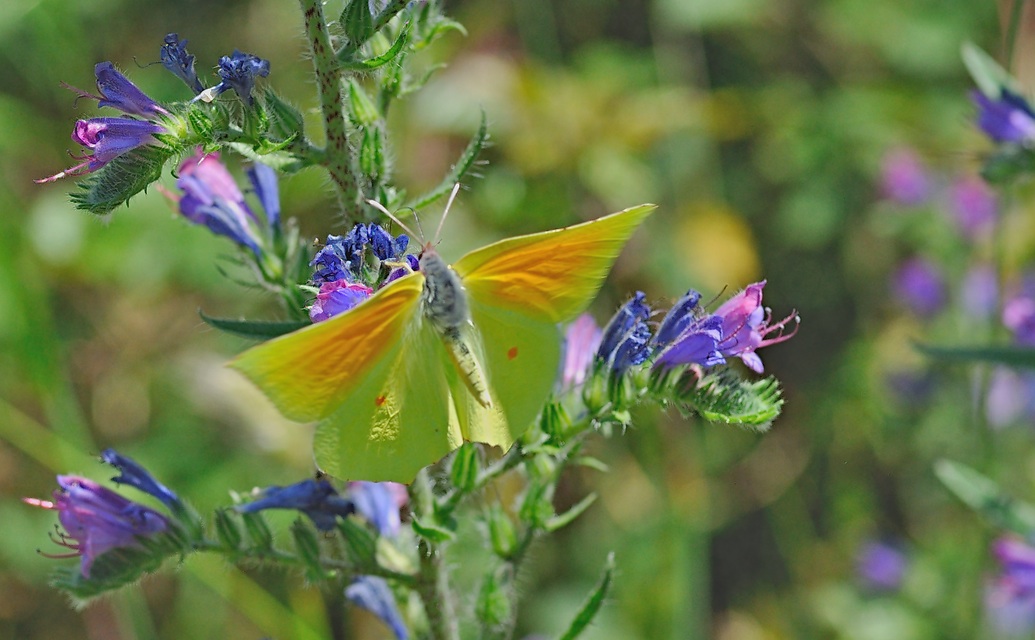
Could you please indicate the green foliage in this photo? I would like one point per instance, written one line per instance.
(116, 182)
(726, 397)
(253, 329)
(984, 496)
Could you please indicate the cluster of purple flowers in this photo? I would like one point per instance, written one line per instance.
(347, 269)
(686, 335)
(919, 284)
(108, 138)
(379, 503)
(1010, 596)
(97, 520)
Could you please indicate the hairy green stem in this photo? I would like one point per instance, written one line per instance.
(328, 82)
(433, 581)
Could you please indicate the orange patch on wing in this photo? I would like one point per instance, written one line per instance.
(512, 353)
(379, 400)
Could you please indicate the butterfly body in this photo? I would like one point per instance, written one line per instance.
(446, 354)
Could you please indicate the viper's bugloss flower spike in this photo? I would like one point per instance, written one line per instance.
(374, 595)
(379, 503)
(1010, 597)
(134, 475)
(110, 137)
(238, 71)
(746, 325)
(175, 58)
(581, 341)
(1007, 119)
(343, 257)
(97, 519)
(337, 297)
(315, 498)
(212, 198)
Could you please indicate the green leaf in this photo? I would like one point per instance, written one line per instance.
(459, 170)
(1009, 355)
(254, 329)
(984, 496)
(360, 541)
(370, 64)
(593, 603)
(990, 78)
(564, 519)
(725, 397)
(434, 532)
(357, 23)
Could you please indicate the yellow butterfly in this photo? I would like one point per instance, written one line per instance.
(442, 355)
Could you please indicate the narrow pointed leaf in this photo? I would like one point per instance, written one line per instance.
(593, 603)
(1009, 355)
(984, 496)
(254, 329)
(459, 170)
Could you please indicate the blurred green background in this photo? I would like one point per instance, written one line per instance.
(759, 127)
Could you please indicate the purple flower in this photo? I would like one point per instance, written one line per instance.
(315, 498)
(374, 595)
(97, 519)
(1010, 598)
(212, 198)
(1011, 397)
(881, 566)
(379, 503)
(626, 337)
(918, 284)
(136, 476)
(238, 71)
(581, 341)
(697, 344)
(1008, 119)
(904, 178)
(109, 138)
(412, 264)
(973, 205)
(746, 325)
(1019, 317)
(980, 291)
(175, 58)
(337, 297)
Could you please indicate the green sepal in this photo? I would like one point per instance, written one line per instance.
(564, 519)
(308, 548)
(201, 124)
(285, 121)
(464, 468)
(555, 422)
(537, 506)
(357, 23)
(227, 531)
(254, 329)
(984, 496)
(459, 170)
(433, 530)
(362, 110)
(121, 179)
(493, 607)
(373, 161)
(258, 530)
(360, 541)
(593, 603)
(502, 534)
(1020, 357)
(725, 397)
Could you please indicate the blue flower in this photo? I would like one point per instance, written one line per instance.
(264, 181)
(1007, 119)
(97, 519)
(682, 314)
(379, 504)
(315, 498)
(881, 566)
(581, 341)
(1010, 599)
(698, 344)
(238, 71)
(374, 595)
(109, 138)
(626, 337)
(136, 476)
(342, 258)
(920, 286)
(175, 58)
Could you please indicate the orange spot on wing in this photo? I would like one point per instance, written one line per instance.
(511, 353)
(380, 400)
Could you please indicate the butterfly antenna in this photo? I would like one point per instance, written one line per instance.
(380, 207)
(449, 203)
